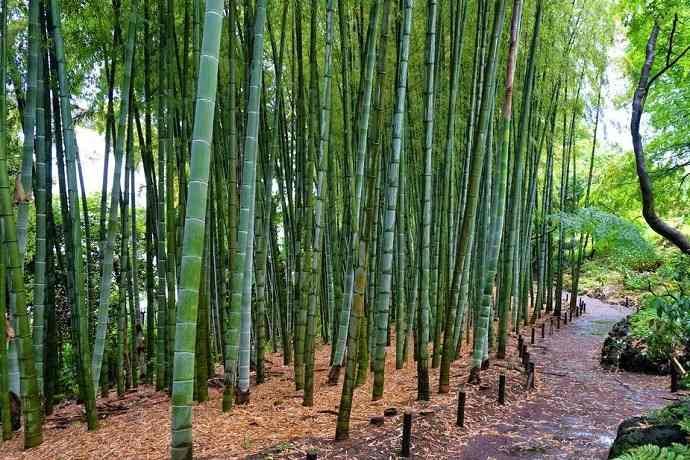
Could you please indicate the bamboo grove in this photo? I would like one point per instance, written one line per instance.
(379, 177)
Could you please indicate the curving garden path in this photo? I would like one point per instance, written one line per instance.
(580, 404)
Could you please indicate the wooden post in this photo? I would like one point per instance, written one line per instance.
(550, 326)
(530, 375)
(461, 409)
(532, 339)
(558, 323)
(502, 389)
(543, 330)
(407, 434)
(520, 342)
(525, 359)
(674, 379)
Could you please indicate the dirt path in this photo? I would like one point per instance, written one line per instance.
(573, 414)
(581, 404)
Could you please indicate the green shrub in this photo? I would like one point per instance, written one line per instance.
(663, 324)
(652, 452)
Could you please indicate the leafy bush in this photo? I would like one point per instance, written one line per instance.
(663, 325)
(652, 452)
(678, 413)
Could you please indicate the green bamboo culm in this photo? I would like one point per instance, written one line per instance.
(513, 212)
(6, 419)
(324, 123)
(243, 260)
(29, 126)
(24, 181)
(164, 143)
(40, 257)
(355, 310)
(498, 200)
(447, 216)
(33, 435)
(86, 384)
(478, 153)
(248, 194)
(4, 364)
(4, 377)
(113, 220)
(386, 264)
(425, 253)
(356, 200)
(193, 239)
(231, 323)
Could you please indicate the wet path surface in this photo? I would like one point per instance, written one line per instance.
(579, 405)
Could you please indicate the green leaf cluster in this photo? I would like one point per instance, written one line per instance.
(652, 452)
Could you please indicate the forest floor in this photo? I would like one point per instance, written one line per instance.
(573, 413)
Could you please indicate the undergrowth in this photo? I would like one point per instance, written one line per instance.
(652, 452)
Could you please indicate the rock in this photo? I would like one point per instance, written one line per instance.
(390, 412)
(622, 351)
(621, 328)
(377, 420)
(661, 429)
(425, 412)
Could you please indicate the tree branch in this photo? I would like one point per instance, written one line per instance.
(648, 211)
(668, 66)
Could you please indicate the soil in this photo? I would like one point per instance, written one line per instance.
(572, 414)
(137, 425)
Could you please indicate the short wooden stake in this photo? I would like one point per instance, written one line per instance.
(558, 323)
(532, 339)
(674, 379)
(461, 409)
(525, 359)
(406, 435)
(520, 342)
(543, 330)
(530, 375)
(502, 389)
